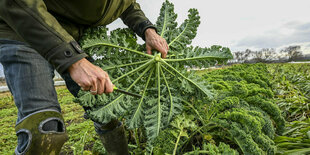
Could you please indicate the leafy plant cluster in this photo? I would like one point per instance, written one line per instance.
(242, 115)
(296, 138)
(291, 83)
(245, 108)
(164, 84)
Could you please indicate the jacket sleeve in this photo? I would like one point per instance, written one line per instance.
(135, 19)
(32, 22)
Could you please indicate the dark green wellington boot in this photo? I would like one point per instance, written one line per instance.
(113, 138)
(41, 139)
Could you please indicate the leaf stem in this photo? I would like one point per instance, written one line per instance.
(122, 95)
(124, 65)
(141, 100)
(158, 101)
(191, 81)
(135, 70)
(178, 35)
(165, 20)
(168, 70)
(173, 55)
(142, 74)
(137, 137)
(117, 46)
(171, 102)
(195, 110)
(193, 58)
(177, 142)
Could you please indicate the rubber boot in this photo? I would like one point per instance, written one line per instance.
(114, 139)
(45, 131)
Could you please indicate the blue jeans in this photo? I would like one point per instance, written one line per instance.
(30, 79)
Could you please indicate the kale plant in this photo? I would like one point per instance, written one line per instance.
(163, 83)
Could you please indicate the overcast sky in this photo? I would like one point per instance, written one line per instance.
(242, 24)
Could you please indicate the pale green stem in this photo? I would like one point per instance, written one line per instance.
(167, 70)
(173, 55)
(164, 26)
(116, 46)
(177, 142)
(190, 105)
(158, 101)
(171, 102)
(135, 70)
(178, 36)
(146, 70)
(143, 95)
(132, 146)
(193, 58)
(137, 137)
(109, 104)
(176, 71)
(124, 65)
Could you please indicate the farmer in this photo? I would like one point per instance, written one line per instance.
(38, 36)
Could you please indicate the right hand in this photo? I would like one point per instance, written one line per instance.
(90, 77)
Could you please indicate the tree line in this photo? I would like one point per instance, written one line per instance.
(270, 55)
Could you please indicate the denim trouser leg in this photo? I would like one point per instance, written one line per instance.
(30, 79)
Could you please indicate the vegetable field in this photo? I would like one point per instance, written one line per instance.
(258, 109)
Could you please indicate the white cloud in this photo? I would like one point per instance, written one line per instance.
(289, 33)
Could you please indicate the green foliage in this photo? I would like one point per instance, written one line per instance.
(291, 87)
(162, 83)
(296, 138)
(170, 138)
(242, 115)
(211, 149)
(244, 109)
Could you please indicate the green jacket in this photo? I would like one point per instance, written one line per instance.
(52, 27)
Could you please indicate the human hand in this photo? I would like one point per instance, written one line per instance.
(90, 77)
(154, 41)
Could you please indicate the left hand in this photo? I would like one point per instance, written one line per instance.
(154, 41)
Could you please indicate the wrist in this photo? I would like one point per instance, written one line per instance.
(76, 64)
(149, 33)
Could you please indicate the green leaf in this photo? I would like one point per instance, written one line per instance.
(186, 32)
(166, 22)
